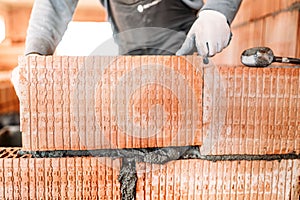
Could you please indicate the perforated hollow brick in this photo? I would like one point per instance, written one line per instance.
(194, 179)
(96, 178)
(59, 178)
(110, 102)
(157, 101)
(253, 111)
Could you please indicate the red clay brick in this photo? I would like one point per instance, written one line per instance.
(73, 99)
(59, 178)
(251, 111)
(198, 179)
(110, 102)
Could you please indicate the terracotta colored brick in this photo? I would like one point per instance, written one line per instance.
(110, 102)
(251, 110)
(59, 178)
(198, 179)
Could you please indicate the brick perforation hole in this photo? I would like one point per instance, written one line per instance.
(12, 153)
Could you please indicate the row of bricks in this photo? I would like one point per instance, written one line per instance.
(97, 178)
(8, 99)
(264, 32)
(157, 101)
(251, 10)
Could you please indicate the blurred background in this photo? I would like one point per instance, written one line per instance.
(271, 23)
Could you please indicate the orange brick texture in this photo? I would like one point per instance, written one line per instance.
(110, 102)
(96, 178)
(72, 103)
(273, 24)
(8, 99)
(59, 178)
(192, 179)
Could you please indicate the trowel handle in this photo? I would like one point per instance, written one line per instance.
(286, 60)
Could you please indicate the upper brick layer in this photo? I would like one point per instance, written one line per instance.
(157, 101)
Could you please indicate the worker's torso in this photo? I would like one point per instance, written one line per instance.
(150, 26)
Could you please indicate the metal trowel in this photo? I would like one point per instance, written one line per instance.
(263, 57)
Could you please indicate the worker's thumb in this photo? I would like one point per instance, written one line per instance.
(15, 79)
(187, 46)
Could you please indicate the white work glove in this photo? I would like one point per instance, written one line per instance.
(15, 77)
(210, 34)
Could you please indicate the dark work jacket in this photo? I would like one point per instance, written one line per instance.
(160, 28)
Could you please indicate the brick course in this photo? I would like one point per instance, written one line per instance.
(96, 178)
(59, 178)
(83, 103)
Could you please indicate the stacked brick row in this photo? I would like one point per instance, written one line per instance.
(263, 23)
(97, 178)
(8, 99)
(75, 103)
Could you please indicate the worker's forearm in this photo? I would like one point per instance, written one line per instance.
(48, 22)
(227, 7)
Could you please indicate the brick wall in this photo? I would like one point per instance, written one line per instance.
(274, 24)
(247, 127)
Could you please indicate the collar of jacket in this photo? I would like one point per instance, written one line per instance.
(195, 4)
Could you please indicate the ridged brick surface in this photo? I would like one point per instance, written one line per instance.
(110, 102)
(96, 178)
(137, 102)
(59, 178)
(253, 111)
(192, 179)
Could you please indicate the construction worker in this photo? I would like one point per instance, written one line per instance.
(179, 26)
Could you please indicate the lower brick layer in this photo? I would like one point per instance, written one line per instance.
(97, 178)
(59, 178)
(192, 179)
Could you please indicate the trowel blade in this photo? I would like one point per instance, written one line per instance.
(257, 57)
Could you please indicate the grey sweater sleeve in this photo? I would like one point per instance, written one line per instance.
(48, 21)
(227, 7)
